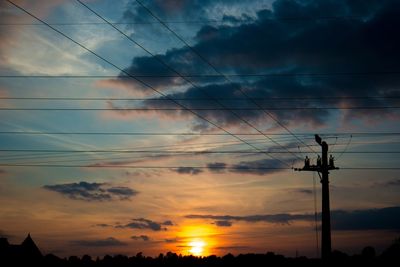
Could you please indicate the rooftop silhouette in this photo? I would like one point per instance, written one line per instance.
(26, 251)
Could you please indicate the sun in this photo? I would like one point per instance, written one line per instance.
(197, 247)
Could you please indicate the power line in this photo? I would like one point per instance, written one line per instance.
(272, 98)
(200, 109)
(218, 75)
(187, 146)
(128, 74)
(212, 145)
(180, 75)
(186, 152)
(211, 21)
(217, 71)
(243, 168)
(346, 147)
(200, 134)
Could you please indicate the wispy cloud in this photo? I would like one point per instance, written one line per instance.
(140, 237)
(223, 223)
(383, 219)
(142, 223)
(92, 191)
(188, 170)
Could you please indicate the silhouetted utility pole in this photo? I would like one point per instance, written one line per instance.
(323, 167)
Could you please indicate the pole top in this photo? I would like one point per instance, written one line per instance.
(318, 139)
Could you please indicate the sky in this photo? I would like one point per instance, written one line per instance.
(154, 126)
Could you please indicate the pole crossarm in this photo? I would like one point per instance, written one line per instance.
(323, 166)
(315, 168)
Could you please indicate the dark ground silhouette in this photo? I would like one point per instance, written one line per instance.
(28, 254)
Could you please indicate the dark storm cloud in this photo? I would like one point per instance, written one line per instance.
(142, 223)
(188, 170)
(223, 223)
(92, 191)
(140, 237)
(369, 219)
(108, 242)
(368, 42)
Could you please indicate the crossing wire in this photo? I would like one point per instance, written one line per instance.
(217, 71)
(308, 18)
(219, 75)
(333, 134)
(184, 152)
(137, 79)
(201, 109)
(243, 168)
(180, 75)
(272, 98)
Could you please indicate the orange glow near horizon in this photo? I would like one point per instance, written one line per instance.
(197, 247)
(197, 240)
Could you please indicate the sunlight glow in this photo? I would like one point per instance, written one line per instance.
(196, 239)
(197, 247)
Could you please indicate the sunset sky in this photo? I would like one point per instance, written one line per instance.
(173, 125)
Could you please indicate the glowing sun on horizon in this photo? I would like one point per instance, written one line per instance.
(197, 247)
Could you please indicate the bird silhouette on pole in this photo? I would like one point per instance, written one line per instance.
(323, 167)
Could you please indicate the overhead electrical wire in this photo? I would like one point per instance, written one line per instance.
(137, 79)
(184, 152)
(212, 21)
(116, 109)
(160, 60)
(333, 134)
(217, 71)
(72, 40)
(218, 75)
(243, 168)
(271, 98)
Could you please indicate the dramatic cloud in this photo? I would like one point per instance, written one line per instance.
(108, 242)
(92, 191)
(188, 170)
(330, 49)
(142, 223)
(370, 219)
(140, 237)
